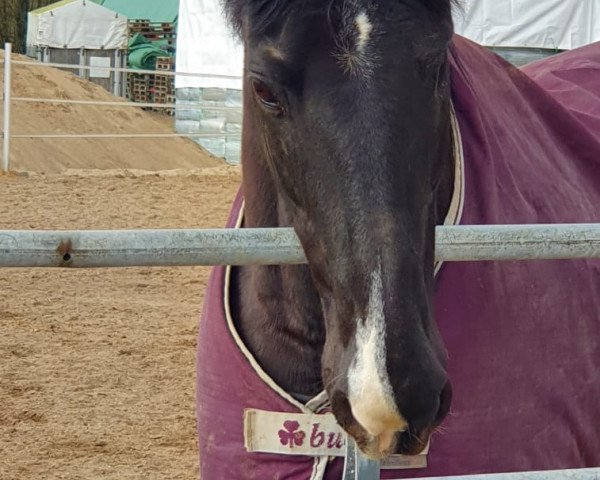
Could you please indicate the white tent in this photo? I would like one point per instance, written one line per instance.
(74, 24)
(206, 44)
(547, 24)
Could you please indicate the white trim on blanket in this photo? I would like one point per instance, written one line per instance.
(312, 406)
(455, 211)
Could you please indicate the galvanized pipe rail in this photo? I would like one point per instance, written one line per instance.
(153, 248)
(572, 474)
(73, 136)
(166, 73)
(126, 104)
(358, 467)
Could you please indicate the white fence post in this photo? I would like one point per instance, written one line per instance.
(6, 116)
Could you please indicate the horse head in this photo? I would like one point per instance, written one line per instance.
(350, 105)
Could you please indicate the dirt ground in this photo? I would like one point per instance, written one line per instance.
(97, 366)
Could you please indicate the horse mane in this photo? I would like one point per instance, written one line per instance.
(265, 12)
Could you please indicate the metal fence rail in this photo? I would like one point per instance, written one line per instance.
(8, 100)
(153, 248)
(61, 101)
(574, 474)
(125, 70)
(122, 135)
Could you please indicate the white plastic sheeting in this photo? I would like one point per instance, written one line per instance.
(552, 24)
(226, 124)
(78, 24)
(206, 44)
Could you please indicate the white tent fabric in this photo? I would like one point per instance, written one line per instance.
(77, 24)
(552, 24)
(33, 25)
(206, 44)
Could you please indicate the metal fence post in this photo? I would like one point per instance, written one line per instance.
(6, 115)
(82, 62)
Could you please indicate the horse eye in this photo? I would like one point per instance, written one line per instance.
(266, 96)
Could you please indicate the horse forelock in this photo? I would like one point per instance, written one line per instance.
(264, 13)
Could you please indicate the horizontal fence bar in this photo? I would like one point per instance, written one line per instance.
(128, 135)
(146, 248)
(126, 70)
(572, 474)
(127, 104)
(518, 242)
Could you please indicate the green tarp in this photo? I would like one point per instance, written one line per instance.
(143, 53)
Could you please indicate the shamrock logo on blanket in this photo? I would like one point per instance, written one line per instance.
(291, 435)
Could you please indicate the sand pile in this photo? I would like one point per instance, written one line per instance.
(56, 155)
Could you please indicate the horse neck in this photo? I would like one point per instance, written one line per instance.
(276, 308)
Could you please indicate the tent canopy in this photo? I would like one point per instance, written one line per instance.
(76, 24)
(153, 10)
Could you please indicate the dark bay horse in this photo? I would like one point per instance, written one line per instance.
(366, 124)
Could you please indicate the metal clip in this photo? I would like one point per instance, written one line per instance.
(357, 466)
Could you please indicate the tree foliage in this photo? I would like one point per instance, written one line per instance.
(13, 21)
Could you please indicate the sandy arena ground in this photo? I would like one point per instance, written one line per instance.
(97, 366)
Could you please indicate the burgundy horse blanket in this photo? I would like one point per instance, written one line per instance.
(523, 337)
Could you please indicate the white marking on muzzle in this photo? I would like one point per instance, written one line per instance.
(369, 390)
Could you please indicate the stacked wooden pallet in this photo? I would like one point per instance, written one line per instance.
(154, 88)
(165, 31)
(153, 31)
(140, 25)
(139, 88)
(170, 99)
(165, 63)
(164, 85)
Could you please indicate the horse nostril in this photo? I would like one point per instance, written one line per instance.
(445, 402)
